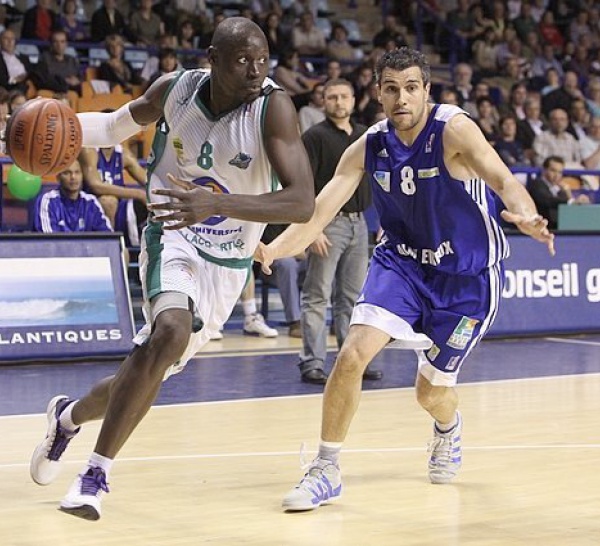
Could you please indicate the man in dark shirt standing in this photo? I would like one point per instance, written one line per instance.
(338, 258)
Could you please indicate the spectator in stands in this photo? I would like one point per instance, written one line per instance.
(564, 95)
(593, 96)
(525, 22)
(16, 98)
(462, 77)
(191, 10)
(548, 190)
(552, 82)
(69, 208)
(510, 75)
(579, 118)
(56, 70)
(550, 33)
(313, 112)
(500, 19)
(542, 63)
(39, 21)
(4, 108)
(116, 69)
(166, 41)
(508, 147)
(557, 142)
(288, 75)
(70, 22)
(481, 89)
(145, 27)
(13, 68)
(333, 70)
(485, 53)
(206, 35)
(590, 147)
(449, 96)
(581, 62)
(532, 47)
(187, 45)
(368, 107)
(308, 39)
(390, 31)
(107, 20)
(104, 176)
(481, 23)
(461, 21)
(361, 82)
(579, 26)
(288, 276)
(277, 39)
(516, 102)
(340, 48)
(531, 126)
(167, 62)
(487, 118)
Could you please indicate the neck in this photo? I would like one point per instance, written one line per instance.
(343, 124)
(410, 135)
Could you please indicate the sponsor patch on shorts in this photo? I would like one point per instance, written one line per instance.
(462, 334)
(433, 353)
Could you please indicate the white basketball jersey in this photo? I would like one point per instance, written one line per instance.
(223, 154)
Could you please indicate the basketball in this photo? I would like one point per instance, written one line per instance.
(43, 136)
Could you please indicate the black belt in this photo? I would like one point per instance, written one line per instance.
(351, 215)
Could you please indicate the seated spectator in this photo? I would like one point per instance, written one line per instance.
(288, 276)
(145, 27)
(308, 39)
(548, 190)
(187, 45)
(13, 68)
(525, 21)
(368, 107)
(508, 147)
(277, 39)
(288, 75)
(531, 126)
(166, 41)
(551, 82)
(103, 174)
(57, 70)
(557, 142)
(481, 89)
(510, 75)
(550, 33)
(16, 98)
(167, 62)
(361, 82)
(333, 70)
(70, 22)
(39, 21)
(107, 20)
(449, 96)
(516, 102)
(590, 152)
(545, 61)
(564, 95)
(462, 79)
(390, 31)
(313, 112)
(116, 69)
(579, 117)
(581, 62)
(4, 108)
(487, 118)
(340, 48)
(191, 10)
(485, 54)
(593, 97)
(69, 208)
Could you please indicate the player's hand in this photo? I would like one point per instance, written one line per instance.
(264, 255)
(190, 205)
(535, 226)
(320, 246)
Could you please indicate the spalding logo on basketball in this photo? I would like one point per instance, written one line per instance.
(211, 184)
(43, 136)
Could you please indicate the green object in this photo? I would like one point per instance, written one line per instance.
(23, 185)
(579, 217)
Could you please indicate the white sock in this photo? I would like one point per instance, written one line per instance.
(330, 451)
(447, 427)
(249, 307)
(66, 418)
(101, 461)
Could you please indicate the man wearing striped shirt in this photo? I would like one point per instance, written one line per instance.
(69, 208)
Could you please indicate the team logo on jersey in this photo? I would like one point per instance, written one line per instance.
(428, 173)
(210, 184)
(383, 153)
(178, 145)
(433, 353)
(462, 334)
(241, 161)
(429, 145)
(383, 179)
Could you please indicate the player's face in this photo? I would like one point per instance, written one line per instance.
(71, 179)
(241, 70)
(339, 101)
(404, 97)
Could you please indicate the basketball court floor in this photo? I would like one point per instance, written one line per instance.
(213, 458)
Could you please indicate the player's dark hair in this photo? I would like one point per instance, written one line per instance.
(401, 59)
(337, 81)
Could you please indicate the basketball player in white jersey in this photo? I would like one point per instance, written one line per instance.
(231, 135)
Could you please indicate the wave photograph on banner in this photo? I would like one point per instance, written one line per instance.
(56, 291)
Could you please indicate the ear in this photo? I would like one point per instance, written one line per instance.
(212, 55)
(379, 94)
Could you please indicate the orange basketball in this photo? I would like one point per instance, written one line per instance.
(43, 136)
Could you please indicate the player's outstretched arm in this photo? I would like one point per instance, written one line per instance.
(296, 238)
(463, 138)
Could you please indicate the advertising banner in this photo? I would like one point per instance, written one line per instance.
(546, 294)
(63, 297)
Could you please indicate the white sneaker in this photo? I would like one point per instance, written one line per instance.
(446, 454)
(255, 325)
(83, 498)
(322, 484)
(215, 335)
(45, 462)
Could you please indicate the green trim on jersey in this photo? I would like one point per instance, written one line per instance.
(153, 235)
(204, 109)
(170, 88)
(232, 263)
(159, 144)
(275, 183)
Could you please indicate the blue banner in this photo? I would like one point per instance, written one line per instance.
(63, 297)
(551, 295)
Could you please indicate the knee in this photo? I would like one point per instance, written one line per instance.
(429, 396)
(351, 362)
(169, 339)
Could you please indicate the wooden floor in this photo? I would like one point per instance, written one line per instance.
(215, 473)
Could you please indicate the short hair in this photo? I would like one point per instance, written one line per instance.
(401, 59)
(337, 81)
(553, 158)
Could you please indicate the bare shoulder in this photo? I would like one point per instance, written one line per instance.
(149, 107)
(281, 116)
(460, 130)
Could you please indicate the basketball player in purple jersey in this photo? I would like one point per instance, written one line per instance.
(438, 270)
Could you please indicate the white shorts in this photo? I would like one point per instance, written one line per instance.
(168, 263)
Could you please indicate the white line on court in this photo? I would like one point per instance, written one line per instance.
(256, 454)
(573, 341)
